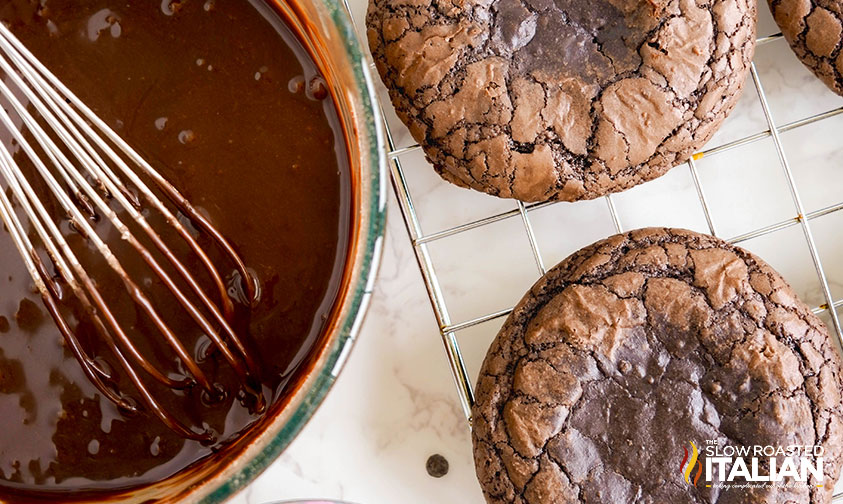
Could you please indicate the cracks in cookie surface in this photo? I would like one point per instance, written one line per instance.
(721, 326)
(604, 47)
(814, 30)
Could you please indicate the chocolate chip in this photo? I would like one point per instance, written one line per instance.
(437, 465)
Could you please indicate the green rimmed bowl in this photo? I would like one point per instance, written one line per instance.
(326, 30)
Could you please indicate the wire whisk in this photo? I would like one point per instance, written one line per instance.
(86, 167)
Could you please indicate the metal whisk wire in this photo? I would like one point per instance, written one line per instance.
(93, 157)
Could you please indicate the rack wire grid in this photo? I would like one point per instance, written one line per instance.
(449, 329)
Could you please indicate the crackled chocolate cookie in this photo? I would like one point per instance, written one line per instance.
(561, 99)
(636, 346)
(814, 29)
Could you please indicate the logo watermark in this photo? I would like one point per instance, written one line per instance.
(751, 466)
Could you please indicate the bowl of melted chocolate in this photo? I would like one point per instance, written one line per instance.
(260, 112)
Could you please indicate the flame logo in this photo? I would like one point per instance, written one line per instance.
(688, 468)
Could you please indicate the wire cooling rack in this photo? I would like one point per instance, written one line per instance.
(450, 329)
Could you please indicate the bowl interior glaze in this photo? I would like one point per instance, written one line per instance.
(326, 30)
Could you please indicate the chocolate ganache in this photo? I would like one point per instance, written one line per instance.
(223, 100)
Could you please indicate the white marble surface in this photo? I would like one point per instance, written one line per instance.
(395, 403)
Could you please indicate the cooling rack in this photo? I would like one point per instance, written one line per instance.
(450, 328)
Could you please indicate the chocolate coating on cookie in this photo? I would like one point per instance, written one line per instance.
(561, 99)
(637, 345)
(814, 29)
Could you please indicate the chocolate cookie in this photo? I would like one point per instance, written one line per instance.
(814, 29)
(633, 348)
(561, 99)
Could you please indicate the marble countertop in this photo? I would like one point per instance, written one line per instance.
(395, 402)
